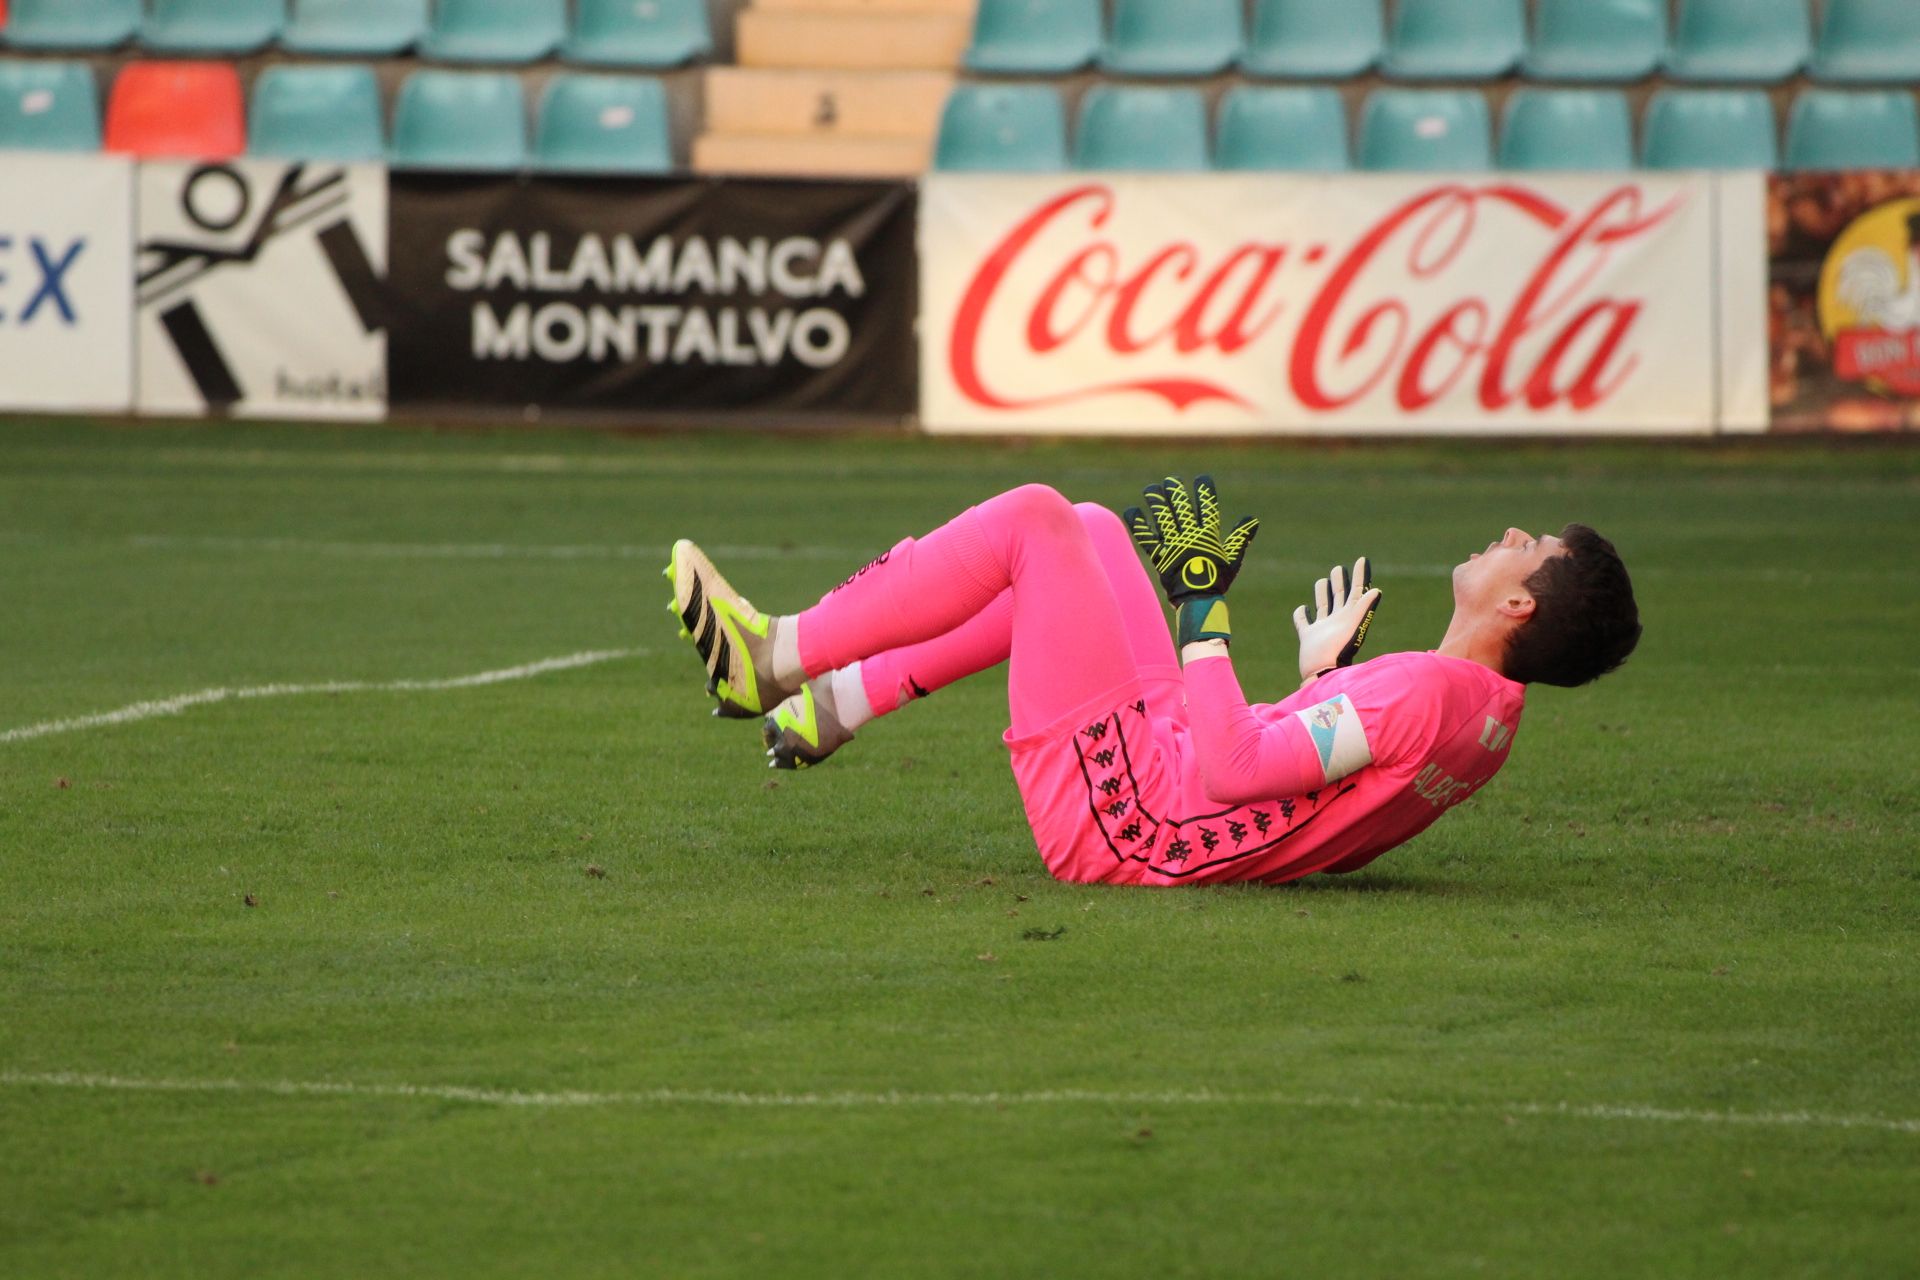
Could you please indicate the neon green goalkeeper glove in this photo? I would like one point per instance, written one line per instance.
(1182, 540)
(1343, 610)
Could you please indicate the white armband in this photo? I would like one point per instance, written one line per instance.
(1334, 726)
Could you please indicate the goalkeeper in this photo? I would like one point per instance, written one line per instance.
(1139, 761)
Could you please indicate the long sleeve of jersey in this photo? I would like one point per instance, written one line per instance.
(1243, 757)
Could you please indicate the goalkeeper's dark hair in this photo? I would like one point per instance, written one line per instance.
(1584, 621)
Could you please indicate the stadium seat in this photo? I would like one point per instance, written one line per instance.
(1597, 39)
(1293, 128)
(1454, 39)
(1034, 37)
(71, 24)
(363, 28)
(1757, 41)
(1133, 127)
(1709, 129)
(212, 26)
(48, 106)
(1853, 129)
(639, 33)
(460, 120)
(1546, 129)
(603, 124)
(1003, 128)
(1313, 39)
(315, 112)
(495, 30)
(1154, 38)
(181, 109)
(1869, 40)
(1425, 130)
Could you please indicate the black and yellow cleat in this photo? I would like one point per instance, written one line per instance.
(803, 730)
(731, 636)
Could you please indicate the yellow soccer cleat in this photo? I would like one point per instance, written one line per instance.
(803, 731)
(731, 636)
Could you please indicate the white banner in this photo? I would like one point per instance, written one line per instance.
(1226, 303)
(66, 298)
(262, 289)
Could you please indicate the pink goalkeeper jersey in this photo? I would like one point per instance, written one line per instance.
(1384, 748)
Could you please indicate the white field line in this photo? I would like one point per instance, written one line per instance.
(1266, 566)
(852, 556)
(855, 1100)
(476, 550)
(175, 705)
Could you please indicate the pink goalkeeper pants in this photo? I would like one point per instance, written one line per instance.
(1028, 578)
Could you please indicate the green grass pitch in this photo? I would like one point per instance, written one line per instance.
(548, 976)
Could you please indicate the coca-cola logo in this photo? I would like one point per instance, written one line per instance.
(1061, 286)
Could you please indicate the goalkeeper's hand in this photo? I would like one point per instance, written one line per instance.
(1343, 610)
(1182, 539)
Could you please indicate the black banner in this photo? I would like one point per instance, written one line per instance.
(652, 297)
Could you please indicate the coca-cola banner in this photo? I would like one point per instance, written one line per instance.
(645, 297)
(1844, 301)
(1276, 303)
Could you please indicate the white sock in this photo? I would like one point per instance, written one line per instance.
(849, 694)
(786, 650)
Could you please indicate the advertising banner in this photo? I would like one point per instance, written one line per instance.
(66, 305)
(260, 289)
(1230, 303)
(654, 296)
(1843, 300)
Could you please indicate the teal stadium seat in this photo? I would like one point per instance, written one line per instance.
(49, 106)
(1266, 127)
(1454, 39)
(1869, 40)
(495, 30)
(1034, 37)
(1425, 130)
(316, 112)
(1548, 129)
(639, 33)
(1313, 39)
(1853, 129)
(212, 26)
(1597, 39)
(360, 28)
(1708, 129)
(1141, 128)
(70, 24)
(1002, 128)
(603, 124)
(1756, 41)
(473, 120)
(1191, 38)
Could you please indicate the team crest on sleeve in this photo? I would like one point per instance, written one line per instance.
(1338, 736)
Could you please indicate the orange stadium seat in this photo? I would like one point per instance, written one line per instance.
(190, 109)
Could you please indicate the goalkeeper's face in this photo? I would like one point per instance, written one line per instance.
(1495, 579)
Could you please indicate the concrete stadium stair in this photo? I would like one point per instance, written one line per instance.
(833, 87)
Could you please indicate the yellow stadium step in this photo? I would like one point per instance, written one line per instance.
(889, 104)
(963, 8)
(788, 155)
(822, 38)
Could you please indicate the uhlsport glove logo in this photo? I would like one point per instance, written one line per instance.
(1200, 573)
